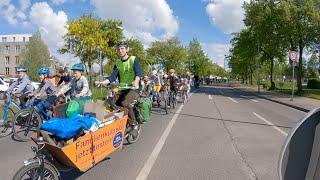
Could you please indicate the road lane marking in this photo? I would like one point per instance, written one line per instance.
(233, 100)
(249, 98)
(143, 175)
(210, 97)
(271, 124)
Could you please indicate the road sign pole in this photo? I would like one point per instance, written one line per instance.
(293, 64)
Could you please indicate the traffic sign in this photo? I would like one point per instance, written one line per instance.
(293, 55)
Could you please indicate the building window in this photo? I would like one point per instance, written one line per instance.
(4, 39)
(24, 39)
(7, 71)
(17, 60)
(7, 49)
(7, 60)
(14, 39)
(16, 70)
(17, 48)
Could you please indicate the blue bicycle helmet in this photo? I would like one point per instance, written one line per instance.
(21, 68)
(78, 67)
(44, 70)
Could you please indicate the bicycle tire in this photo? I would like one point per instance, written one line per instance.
(20, 130)
(134, 138)
(49, 169)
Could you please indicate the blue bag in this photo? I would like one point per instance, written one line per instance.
(67, 128)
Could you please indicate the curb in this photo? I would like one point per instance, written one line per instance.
(276, 101)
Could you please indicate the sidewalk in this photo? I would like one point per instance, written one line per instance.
(300, 103)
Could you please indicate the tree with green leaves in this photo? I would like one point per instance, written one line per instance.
(90, 36)
(244, 54)
(137, 49)
(264, 19)
(312, 67)
(37, 55)
(170, 53)
(197, 61)
(301, 24)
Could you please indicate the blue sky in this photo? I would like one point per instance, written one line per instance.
(210, 21)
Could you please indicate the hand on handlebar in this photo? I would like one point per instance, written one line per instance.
(101, 83)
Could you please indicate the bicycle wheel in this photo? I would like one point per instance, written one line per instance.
(165, 102)
(32, 171)
(6, 128)
(133, 134)
(26, 124)
(174, 100)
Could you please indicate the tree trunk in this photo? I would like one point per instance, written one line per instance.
(299, 73)
(273, 86)
(251, 76)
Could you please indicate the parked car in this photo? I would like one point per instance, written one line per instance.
(3, 88)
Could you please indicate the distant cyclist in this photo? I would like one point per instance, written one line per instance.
(172, 82)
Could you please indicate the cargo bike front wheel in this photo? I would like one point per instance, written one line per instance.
(33, 171)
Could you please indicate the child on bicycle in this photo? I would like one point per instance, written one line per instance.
(24, 90)
(78, 85)
(23, 84)
(47, 89)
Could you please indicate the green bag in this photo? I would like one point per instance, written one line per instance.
(143, 110)
(76, 106)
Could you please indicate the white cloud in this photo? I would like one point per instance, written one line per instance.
(51, 26)
(24, 4)
(217, 52)
(227, 14)
(8, 12)
(21, 15)
(12, 14)
(145, 20)
(57, 2)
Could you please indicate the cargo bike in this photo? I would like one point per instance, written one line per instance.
(82, 152)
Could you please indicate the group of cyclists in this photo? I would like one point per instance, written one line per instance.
(127, 70)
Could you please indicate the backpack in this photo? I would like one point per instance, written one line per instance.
(143, 110)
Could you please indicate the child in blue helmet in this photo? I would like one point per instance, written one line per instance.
(47, 90)
(78, 85)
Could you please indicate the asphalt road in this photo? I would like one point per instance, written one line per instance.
(221, 133)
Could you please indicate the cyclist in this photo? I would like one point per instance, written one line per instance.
(128, 71)
(47, 89)
(64, 77)
(156, 80)
(172, 82)
(146, 83)
(24, 89)
(23, 84)
(78, 85)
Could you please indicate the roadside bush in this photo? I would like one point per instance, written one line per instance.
(313, 84)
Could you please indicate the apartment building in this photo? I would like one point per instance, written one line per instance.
(11, 47)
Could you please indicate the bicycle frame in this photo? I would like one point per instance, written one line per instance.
(11, 104)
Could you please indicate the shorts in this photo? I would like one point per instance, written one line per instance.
(157, 88)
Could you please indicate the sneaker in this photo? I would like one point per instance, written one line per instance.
(2, 123)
